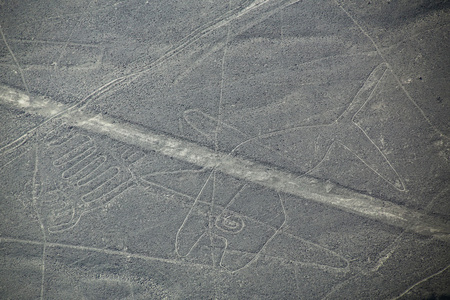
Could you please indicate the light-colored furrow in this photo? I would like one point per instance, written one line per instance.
(305, 187)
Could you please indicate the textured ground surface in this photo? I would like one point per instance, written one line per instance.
(224, 149)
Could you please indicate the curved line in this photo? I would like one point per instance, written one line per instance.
(81, 159)
(66, 226)
(327, 153)
(88, 177)
(192, 124)
(106, 198)
(75, 153)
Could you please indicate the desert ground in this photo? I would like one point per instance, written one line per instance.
(241, 149)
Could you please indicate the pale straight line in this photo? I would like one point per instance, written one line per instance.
(222, 84)
(420, 282)
(103, 251)
(305, 187)
(179, 262)
(41, 224)
(400, 84)
(15, 60)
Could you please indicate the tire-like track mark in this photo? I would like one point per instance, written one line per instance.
(305, 187)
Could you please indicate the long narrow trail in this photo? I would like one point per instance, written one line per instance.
(306, 187)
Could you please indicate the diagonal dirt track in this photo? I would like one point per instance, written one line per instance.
(305, 187)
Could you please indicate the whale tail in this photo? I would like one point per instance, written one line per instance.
(352, 136)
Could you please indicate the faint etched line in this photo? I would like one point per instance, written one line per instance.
(277, 230)
(337, 287)
(15, 60)
(305, 187)
(400, 84)
(328, 251)
(85, 207)
(80, 162)
(347, 118)
(193, 206)
(109, 252)
(41, 224)
(222, 83)
(324, 59)
(93, 166)
(420, 282)
(95, 179)
(387, 253)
